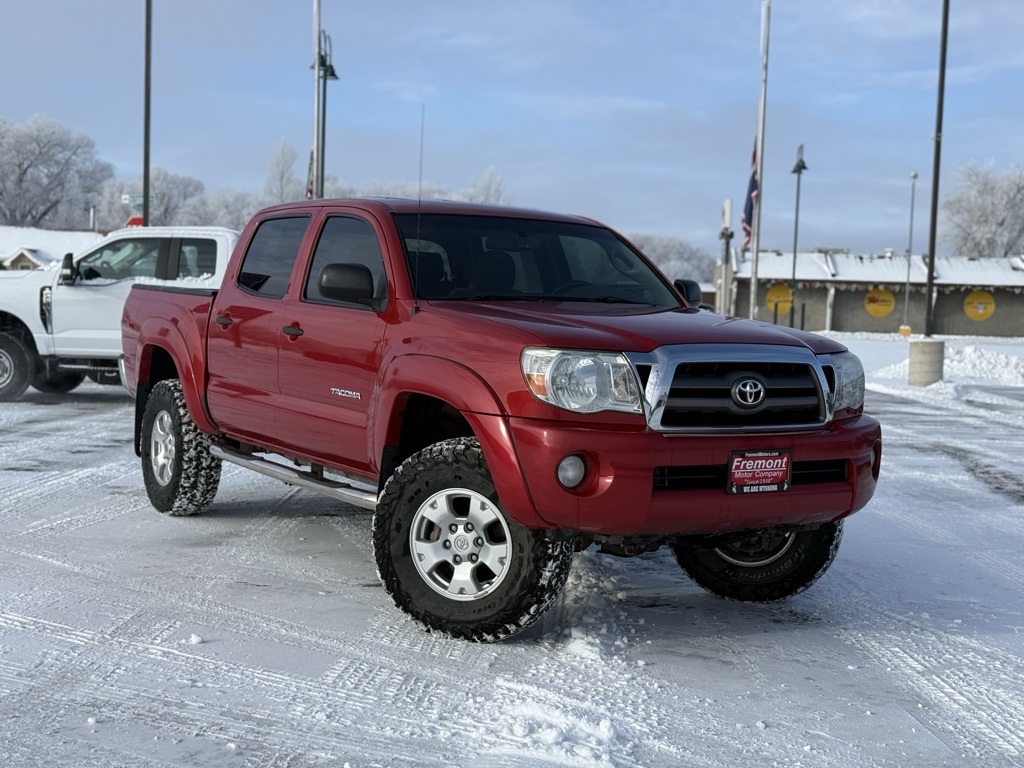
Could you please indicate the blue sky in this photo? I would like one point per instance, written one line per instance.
(641, 113)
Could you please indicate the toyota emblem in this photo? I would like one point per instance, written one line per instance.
(748, 393)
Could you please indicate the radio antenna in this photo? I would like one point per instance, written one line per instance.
(419, 206)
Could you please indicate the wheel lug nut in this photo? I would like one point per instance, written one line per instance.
(469, 527)
(453, 528)
(447, 544)
(456, 559)
(478, 541)
(473, 558)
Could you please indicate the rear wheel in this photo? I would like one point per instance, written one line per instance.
(766, 566)
(58, 383)
(17, 367)
(451, 558)
(180, 473)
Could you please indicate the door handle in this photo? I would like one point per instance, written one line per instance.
(291, 330)
(223, 320)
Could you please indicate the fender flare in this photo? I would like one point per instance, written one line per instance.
(187, 356)
(463, 389)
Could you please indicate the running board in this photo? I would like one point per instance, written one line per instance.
(358, 497)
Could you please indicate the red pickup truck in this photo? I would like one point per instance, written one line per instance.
(501, 387)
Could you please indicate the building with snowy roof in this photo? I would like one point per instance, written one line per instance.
(29, 248)
(839, 291)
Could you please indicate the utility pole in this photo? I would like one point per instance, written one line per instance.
(798, 169)
(929, 302)
(145, 118)
(726, 237)
(317, 181)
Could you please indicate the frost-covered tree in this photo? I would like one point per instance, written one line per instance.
(985, 215)
(282, 185)
(169, 205)
(487, 188)
(675, 257)
(48, 175)
(221, 208)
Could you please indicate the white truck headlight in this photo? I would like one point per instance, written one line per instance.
(581, 381)
(849, 380)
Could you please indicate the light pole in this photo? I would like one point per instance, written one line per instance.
(798, 169)
(326, 73)
(910, 254)
(146, 114)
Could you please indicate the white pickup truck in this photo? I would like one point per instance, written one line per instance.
(59, 325)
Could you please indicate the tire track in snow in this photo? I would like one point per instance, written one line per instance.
(975, 693)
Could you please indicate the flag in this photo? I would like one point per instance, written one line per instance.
(751, 201)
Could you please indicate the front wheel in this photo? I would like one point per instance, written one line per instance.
(17, 367)
(180, 473)
(766, 566)
(451, 558)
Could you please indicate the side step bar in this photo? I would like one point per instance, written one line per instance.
(350, 494)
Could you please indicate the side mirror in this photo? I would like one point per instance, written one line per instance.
(68, 270)
(690, 289)
(347, 282)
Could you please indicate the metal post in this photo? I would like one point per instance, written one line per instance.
(910, 253)
(766, 13)
(726, 237)
(798, 169)
(318, 185)
(145, 119)
(326, 73)
(322, 129)
(928, 320)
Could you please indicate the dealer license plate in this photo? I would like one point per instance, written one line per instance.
(759, 471)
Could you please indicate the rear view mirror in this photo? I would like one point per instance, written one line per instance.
(68, 270)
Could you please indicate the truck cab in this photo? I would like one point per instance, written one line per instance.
(59, 325)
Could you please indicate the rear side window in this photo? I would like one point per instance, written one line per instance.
(267, 265)
(197, 257)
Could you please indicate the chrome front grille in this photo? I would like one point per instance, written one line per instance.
(710, 387)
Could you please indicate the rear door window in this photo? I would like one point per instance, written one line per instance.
(267, 266)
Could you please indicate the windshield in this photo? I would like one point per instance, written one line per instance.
(484, 258)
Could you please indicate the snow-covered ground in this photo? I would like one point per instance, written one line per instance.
(257, 634)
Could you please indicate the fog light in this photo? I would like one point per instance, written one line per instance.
(571, 470)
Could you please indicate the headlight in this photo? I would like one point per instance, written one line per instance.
(849, 380)
(584, 382)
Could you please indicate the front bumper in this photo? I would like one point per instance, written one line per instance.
(619, 495)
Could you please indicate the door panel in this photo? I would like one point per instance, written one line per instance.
(330, 355)
(87, 315)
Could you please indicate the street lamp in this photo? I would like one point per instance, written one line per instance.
(798, 169)
(910, 254)
(326, 73)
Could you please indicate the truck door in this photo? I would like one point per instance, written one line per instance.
(330, 351)
(86, 316)
(244, 330)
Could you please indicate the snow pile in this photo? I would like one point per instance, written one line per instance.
(969, 363)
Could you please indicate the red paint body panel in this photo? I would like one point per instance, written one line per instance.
(623, 501)
(335, 393)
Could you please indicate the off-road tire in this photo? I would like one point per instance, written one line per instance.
(765, 567)
(17, 367)
(180, 473)
(58, 384)
(449, 482)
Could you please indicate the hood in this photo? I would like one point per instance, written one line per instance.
(628, 328)
(37, 277)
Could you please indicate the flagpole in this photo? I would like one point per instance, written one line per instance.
(766, 11)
